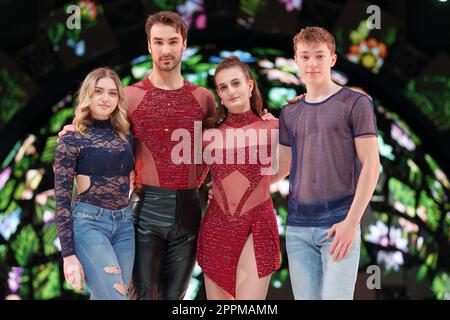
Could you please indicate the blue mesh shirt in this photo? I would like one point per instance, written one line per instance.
(323, 170)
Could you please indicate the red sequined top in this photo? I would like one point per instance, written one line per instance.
(242, 203)
(164, 123)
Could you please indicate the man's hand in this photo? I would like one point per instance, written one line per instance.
(132, 180)
(73, 272)
(344, 237)
(67, 128)
(267, 115)
(295, 99)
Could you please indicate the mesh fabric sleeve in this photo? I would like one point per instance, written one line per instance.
(362, 118)
(284, 133)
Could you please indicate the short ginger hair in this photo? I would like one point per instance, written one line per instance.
(317, 35)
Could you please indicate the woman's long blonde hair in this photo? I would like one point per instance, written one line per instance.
(83, 116)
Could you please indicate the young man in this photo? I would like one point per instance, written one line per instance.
(166, 206)
(327, 131)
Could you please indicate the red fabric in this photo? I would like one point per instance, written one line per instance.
(154, 115)
(241, 205)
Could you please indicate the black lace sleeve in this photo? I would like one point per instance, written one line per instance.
(65, 163)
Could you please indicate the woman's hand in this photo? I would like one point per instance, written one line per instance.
(73, 272)
(210, 192)
(266, 115)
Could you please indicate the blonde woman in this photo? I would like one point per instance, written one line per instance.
(96, 231)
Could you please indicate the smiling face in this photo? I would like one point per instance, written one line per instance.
(104, 99)
(234, 89)
(314, 61)
(166, 46)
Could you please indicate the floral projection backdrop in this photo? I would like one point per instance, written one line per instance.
(406, 232)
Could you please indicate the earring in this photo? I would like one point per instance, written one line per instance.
(250, 94)
(221, 101)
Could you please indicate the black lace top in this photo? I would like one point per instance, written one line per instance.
(106, 159)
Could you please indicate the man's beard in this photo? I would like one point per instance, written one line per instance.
(164, 66)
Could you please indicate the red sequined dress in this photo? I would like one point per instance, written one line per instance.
(242, 203)
(164, 124)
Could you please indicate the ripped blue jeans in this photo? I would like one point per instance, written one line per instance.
(104, 245)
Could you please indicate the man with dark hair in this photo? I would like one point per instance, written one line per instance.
(166, 206)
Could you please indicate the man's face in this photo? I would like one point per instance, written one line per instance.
(314, 61)
(166, 47)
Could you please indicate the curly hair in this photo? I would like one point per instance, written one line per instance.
(83, 116)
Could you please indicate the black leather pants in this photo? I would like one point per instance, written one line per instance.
(166, 227)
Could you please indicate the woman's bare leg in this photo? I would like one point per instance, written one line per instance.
(248, 285)
(214, 292)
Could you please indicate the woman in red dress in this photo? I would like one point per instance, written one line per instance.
(238, 246)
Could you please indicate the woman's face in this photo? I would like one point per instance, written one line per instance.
(234, 89)
(105, 99)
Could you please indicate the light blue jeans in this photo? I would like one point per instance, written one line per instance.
(104, 239)
(314, 275)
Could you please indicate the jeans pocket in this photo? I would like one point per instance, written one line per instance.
(85, 215)
(128, 216)
(81, 211)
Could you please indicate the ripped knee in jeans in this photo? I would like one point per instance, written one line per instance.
(119, 286)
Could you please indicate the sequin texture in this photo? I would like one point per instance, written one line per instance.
(241, 205)
(155, 115)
